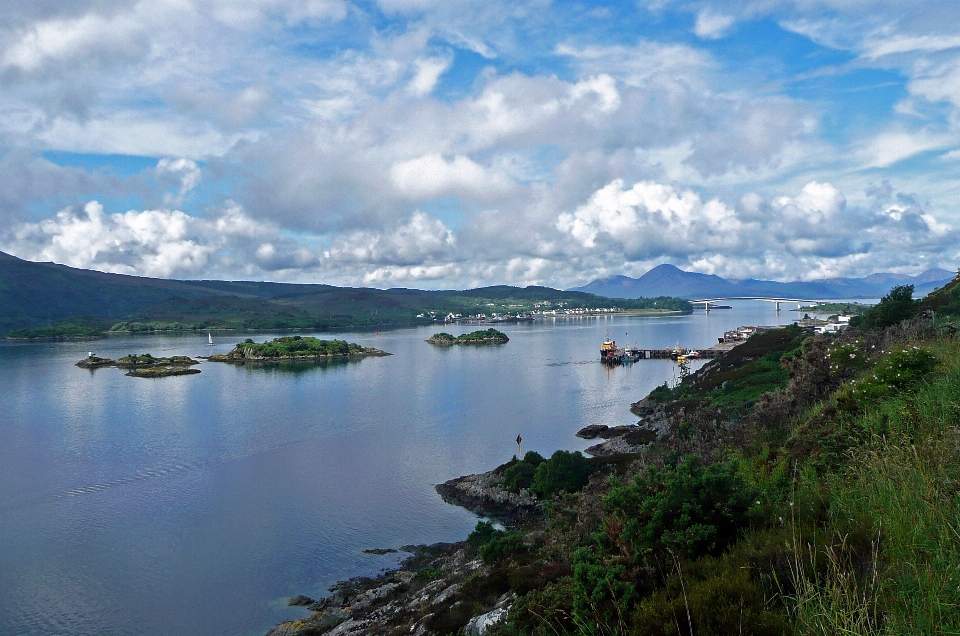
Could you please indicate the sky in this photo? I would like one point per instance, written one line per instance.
(453, 144)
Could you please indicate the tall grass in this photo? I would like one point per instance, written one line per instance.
(905, 484)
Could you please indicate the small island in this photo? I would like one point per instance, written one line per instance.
(144, 366)
(288, 348)
(482, 337)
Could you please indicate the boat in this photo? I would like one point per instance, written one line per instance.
(209, 339)
(609, 352)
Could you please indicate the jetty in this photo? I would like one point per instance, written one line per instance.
(611, 354)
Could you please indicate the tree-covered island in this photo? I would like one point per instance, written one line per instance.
(481, 337)
(295, 348)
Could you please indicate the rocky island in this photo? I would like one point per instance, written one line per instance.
(144, 366)
(482, 337)
(295, 348)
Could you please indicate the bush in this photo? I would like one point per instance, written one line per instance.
(520, 474)
(727, 604)
(901, 370)
(564, 471)
(494, 545)
(688, 509)
(895, 307)
(482, 533)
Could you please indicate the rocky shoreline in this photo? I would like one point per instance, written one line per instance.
(484, 496)
(433, 591)
(416, 598)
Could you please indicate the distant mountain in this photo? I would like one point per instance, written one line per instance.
(668, 280)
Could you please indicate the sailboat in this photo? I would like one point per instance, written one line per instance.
(209, 339)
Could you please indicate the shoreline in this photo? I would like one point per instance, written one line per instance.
(356, 328)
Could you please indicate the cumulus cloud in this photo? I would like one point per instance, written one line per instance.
(712, 26)
(151, 243)
(433, 176)
(317, 132)
(808, 233)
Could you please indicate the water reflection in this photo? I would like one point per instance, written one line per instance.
(221, 492)
(294, 367)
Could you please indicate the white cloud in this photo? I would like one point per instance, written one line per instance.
(149, 243)
(789, 237)
(428, 72)
(422, 240)
(891, 147)
(432, 176)
(712, 26)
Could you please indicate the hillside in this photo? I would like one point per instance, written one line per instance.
(53, 300)
(800, 485)
(670, 280)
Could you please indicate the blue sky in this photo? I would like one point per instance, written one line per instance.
(434, 144)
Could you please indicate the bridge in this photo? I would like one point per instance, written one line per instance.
(706, 301)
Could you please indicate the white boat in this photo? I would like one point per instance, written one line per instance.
(209, 339)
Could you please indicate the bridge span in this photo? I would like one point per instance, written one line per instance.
(769, 299)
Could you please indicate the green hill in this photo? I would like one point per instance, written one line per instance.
(48, 300)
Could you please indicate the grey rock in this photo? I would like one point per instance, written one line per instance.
(479, 625)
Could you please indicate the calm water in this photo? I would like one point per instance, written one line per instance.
(199, 504)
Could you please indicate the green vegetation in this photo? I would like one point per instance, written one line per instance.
(68, 329)
(41, 295)
(295, 348)
(146, 360)
(944, 302)
(844, 309)
(896, 306)
(737, 380)
(563, 472)
(484, 336)
(145, 365)
(807, 486)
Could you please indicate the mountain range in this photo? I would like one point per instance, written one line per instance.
(668, 280)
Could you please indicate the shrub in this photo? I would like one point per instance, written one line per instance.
(686, 508)
(726, 604)
(482, 533)
(895, 307)
(494, 545)
(520, 474)
(564, 471)
(902, 369)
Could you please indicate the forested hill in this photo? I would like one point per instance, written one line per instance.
(59, 300)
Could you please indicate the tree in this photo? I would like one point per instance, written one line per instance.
(896, 306)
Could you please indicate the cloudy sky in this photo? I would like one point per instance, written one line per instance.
(442, 144)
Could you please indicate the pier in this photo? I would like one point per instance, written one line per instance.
(609, 354)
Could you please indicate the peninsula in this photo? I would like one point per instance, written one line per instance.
(481, 337)
(290, 348)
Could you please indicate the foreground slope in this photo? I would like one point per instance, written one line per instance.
(805, 485)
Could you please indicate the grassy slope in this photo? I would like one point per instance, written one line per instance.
(853, 524)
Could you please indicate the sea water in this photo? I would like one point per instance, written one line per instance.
(199, 504)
